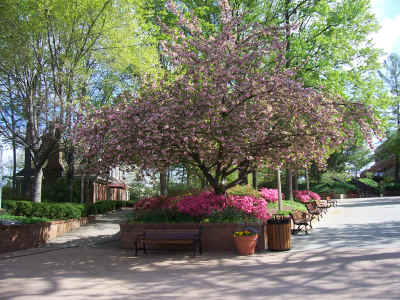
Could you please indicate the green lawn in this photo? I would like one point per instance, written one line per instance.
(288, 206)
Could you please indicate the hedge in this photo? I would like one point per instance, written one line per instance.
(55, 211)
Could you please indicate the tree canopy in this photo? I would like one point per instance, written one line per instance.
(232, 103)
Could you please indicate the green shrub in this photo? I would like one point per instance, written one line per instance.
(244, 190)
(370, 182)
(55, 211)
(230, 215)
(102, 207)
(334, 188)
(10, 206)
(25, 220)
(58, 191)
(392, 187)
(24, 208)
(162, 216)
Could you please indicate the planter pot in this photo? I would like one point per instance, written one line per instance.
(245, 245)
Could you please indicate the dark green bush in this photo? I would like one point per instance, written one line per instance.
(10, 206)
(392, 187)
(24, 208)
(244, 190)
(370, 182)
(102, 207)
(55, 211)
(162, 216)
(25, 220)
(58, 192)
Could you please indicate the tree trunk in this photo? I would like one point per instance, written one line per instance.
(82, 188)
(280, 204)
(289, 184)
(14, 176)
(307, 180)
(397, 168)
(37, 188)
(254, 173)
(296, 181)
(243, 177)
(70, 174)
(27, 181)
(163, 183)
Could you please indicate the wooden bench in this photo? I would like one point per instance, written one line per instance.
(169, 237)
(313, 210)
(302, 220)
(322, 205)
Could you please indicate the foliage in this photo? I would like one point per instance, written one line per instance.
(244, 233)
(52, 211)
(230, 104)
(23, 219)
(102, 207)
(206, 205)
(230, 215)
(162, 216)
(244, 190)
(391, 75)
(288, 205)
(370, 182)
(391, 186)
(334, 187)
(58, 191)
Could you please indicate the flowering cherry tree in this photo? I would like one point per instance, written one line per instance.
(228, 104)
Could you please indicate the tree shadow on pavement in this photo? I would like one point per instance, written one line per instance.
(79, 273)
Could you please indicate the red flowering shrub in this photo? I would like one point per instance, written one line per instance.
(253, 206)
(206, 204)
(202, 204)
(306, 196)
(271, 195)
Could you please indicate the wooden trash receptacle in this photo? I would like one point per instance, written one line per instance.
(279, 233)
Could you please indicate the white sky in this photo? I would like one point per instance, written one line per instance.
(388, 14)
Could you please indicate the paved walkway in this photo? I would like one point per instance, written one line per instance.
(318, 267)
(356, 223)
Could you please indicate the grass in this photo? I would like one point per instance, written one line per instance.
(288, 207)
(24, 220)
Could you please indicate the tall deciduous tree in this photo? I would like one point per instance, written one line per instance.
(46, 45)
(230, 105)
(391, 75)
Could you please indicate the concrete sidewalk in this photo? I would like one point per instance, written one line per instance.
(334, 262)
(86, 273)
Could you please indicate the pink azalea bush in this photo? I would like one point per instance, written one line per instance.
(202, 204)
(256, 207)
(271, 195)
(207, 203)
(306, 196)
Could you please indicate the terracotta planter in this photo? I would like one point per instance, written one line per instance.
(245, 245)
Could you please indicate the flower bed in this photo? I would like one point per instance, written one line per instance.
(218, 215)
(23, 236)
(216, 237)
